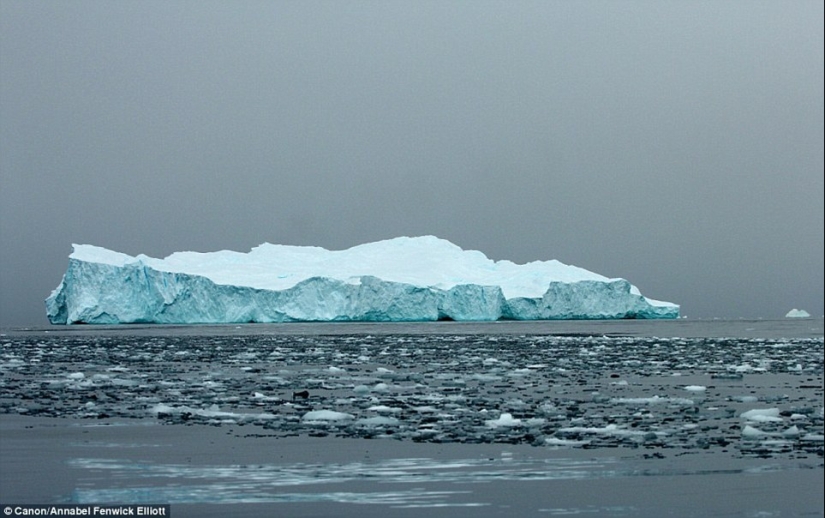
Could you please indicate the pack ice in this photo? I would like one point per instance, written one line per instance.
(401, 279)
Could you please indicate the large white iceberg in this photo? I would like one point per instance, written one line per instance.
(401, 279)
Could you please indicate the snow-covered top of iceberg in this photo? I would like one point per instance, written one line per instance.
(421, 261)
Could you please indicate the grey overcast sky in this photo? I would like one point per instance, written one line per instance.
(678, 145)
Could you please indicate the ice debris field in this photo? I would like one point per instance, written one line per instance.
(752, 397)
(401, 279)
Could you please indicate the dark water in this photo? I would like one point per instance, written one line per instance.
(555, 402)
(716, 328)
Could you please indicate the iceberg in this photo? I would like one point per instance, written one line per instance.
(797, 313)
(404, 279)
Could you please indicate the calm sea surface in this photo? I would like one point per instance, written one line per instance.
(780, 328)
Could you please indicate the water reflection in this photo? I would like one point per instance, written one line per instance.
(139, 482)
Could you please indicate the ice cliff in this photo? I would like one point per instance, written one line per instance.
(401, 279)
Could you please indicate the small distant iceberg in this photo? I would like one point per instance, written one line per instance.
(797, 313)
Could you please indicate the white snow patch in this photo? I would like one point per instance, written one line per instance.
(427, 260)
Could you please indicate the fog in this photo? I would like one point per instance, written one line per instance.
(678, 145)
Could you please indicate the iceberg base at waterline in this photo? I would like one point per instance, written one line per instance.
(397, 280)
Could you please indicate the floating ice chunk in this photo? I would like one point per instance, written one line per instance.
(696, 388)
(504, 420)
(260, 396)
(555, 441)
(123, 383)
(76, 376)
(551, 409)
(327, 415)
(793, 431)
(653, 400)
(762, 415)
(520, 372)
(212, 411)
(378, 421)
(750, 431)
(215, 411)
(610, 429)
(384, 409)
(745, 368)
(485, 377)
(161, 408)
